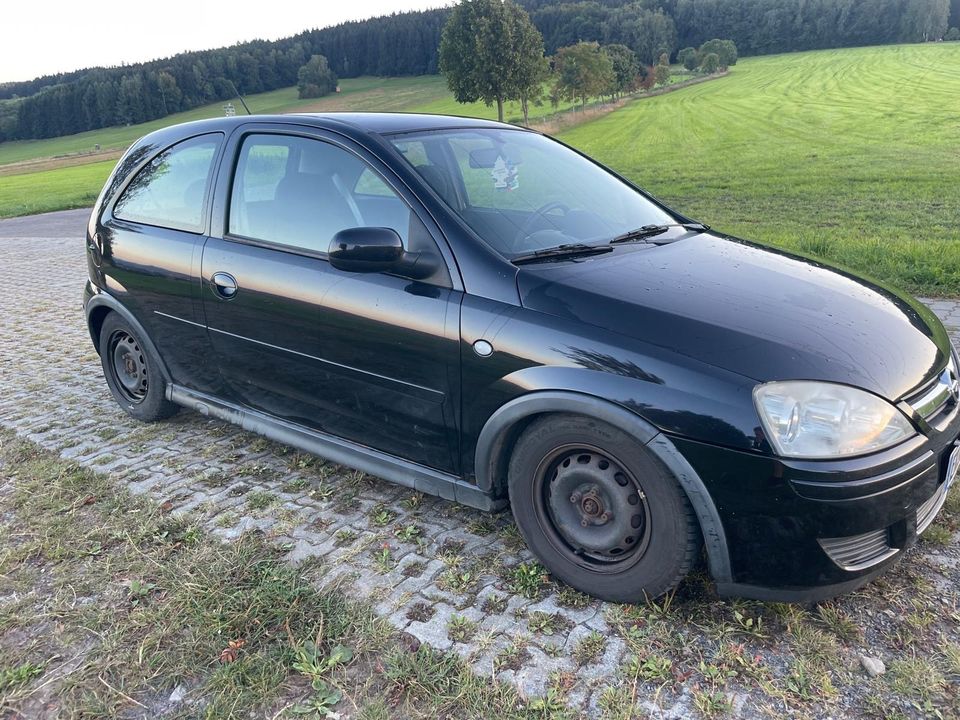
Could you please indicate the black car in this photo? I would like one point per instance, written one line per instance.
(478, 311)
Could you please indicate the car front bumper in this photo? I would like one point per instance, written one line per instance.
(804, 531)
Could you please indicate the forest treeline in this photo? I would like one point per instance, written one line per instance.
(407, 44)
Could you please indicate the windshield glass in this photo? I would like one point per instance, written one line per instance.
(522, 192)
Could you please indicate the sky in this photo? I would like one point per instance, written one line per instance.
(41, 37)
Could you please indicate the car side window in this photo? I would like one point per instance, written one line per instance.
(169, 190)
(300, 192)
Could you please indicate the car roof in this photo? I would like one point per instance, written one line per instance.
(398, 122)
(348, 123)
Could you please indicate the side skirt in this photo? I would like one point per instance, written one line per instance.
(389, 467)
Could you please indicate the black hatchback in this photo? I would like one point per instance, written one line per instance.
(480, 312)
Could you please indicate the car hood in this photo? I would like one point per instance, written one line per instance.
(759, 312)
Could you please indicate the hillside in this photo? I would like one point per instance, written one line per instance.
(406, 44)
(848, 154)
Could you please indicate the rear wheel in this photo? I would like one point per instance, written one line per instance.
(132, 371)
(599, 510)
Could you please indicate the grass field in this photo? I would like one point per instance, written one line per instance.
(58, 189)
(852, 155)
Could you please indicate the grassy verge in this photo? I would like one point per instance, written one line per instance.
(109, 607)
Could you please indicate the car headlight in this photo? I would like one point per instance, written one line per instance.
(803, 418)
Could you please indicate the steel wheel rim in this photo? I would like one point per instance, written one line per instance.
(129, 366)
(591, 508)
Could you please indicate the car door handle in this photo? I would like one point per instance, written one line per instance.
(224, 285)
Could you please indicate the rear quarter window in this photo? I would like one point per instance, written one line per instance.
(169, 191)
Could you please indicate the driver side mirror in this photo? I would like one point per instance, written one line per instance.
(377, 249)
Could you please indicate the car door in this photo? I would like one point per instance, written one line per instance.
(149, 242)
(372, 358)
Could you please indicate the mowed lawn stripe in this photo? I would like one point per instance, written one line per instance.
(848, 154)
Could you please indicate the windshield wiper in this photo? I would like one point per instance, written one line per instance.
(569, 250)
(649, 231)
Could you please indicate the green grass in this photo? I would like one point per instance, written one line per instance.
(58, 189)
(110, 604)
(851, 155)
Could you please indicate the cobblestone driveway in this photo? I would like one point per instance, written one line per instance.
(451, 576)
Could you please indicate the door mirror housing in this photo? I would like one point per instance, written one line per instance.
(378, 249)
(365, 249)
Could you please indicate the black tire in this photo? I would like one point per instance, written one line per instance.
(565, 472)
(132, 371)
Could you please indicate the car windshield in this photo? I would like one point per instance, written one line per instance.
(522, 192)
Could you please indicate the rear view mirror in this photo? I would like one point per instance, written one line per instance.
(378, 249)
(487, 157)
(365, 249)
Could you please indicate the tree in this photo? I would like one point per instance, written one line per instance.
(725, 50)
(626, 67)
(647, 32)
(662, 73)
(583, 71)
(688, 58)
(490, 51)
(952, 34)
(710, 63)
(315, 78)
(532, 69)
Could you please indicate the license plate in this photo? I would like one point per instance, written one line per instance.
(953, 467)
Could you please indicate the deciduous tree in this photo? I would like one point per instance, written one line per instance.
(688, 58)
(490, 51)
(726, 51)
(626, 67)
(316, 79)
(583, 71)
(662, 73)
(710, 63)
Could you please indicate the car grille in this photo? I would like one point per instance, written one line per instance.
(858, 552)
(938, 394)
(928, 511)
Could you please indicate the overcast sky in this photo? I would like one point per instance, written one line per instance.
(40, 37)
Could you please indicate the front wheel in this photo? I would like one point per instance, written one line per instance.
(599, 510)
(132, 371)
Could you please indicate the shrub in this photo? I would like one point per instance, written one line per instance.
(710, 63)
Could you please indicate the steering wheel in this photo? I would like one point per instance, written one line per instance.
(524, 232)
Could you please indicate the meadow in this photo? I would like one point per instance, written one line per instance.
(850, 155)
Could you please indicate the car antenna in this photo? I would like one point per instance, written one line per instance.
(239, 97)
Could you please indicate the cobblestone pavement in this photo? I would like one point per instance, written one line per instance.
(453, 577)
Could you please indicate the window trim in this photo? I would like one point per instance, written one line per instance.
(280, 246)
(206, 210)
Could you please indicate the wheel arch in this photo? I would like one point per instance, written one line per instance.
(100, 306)
(505, 425)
